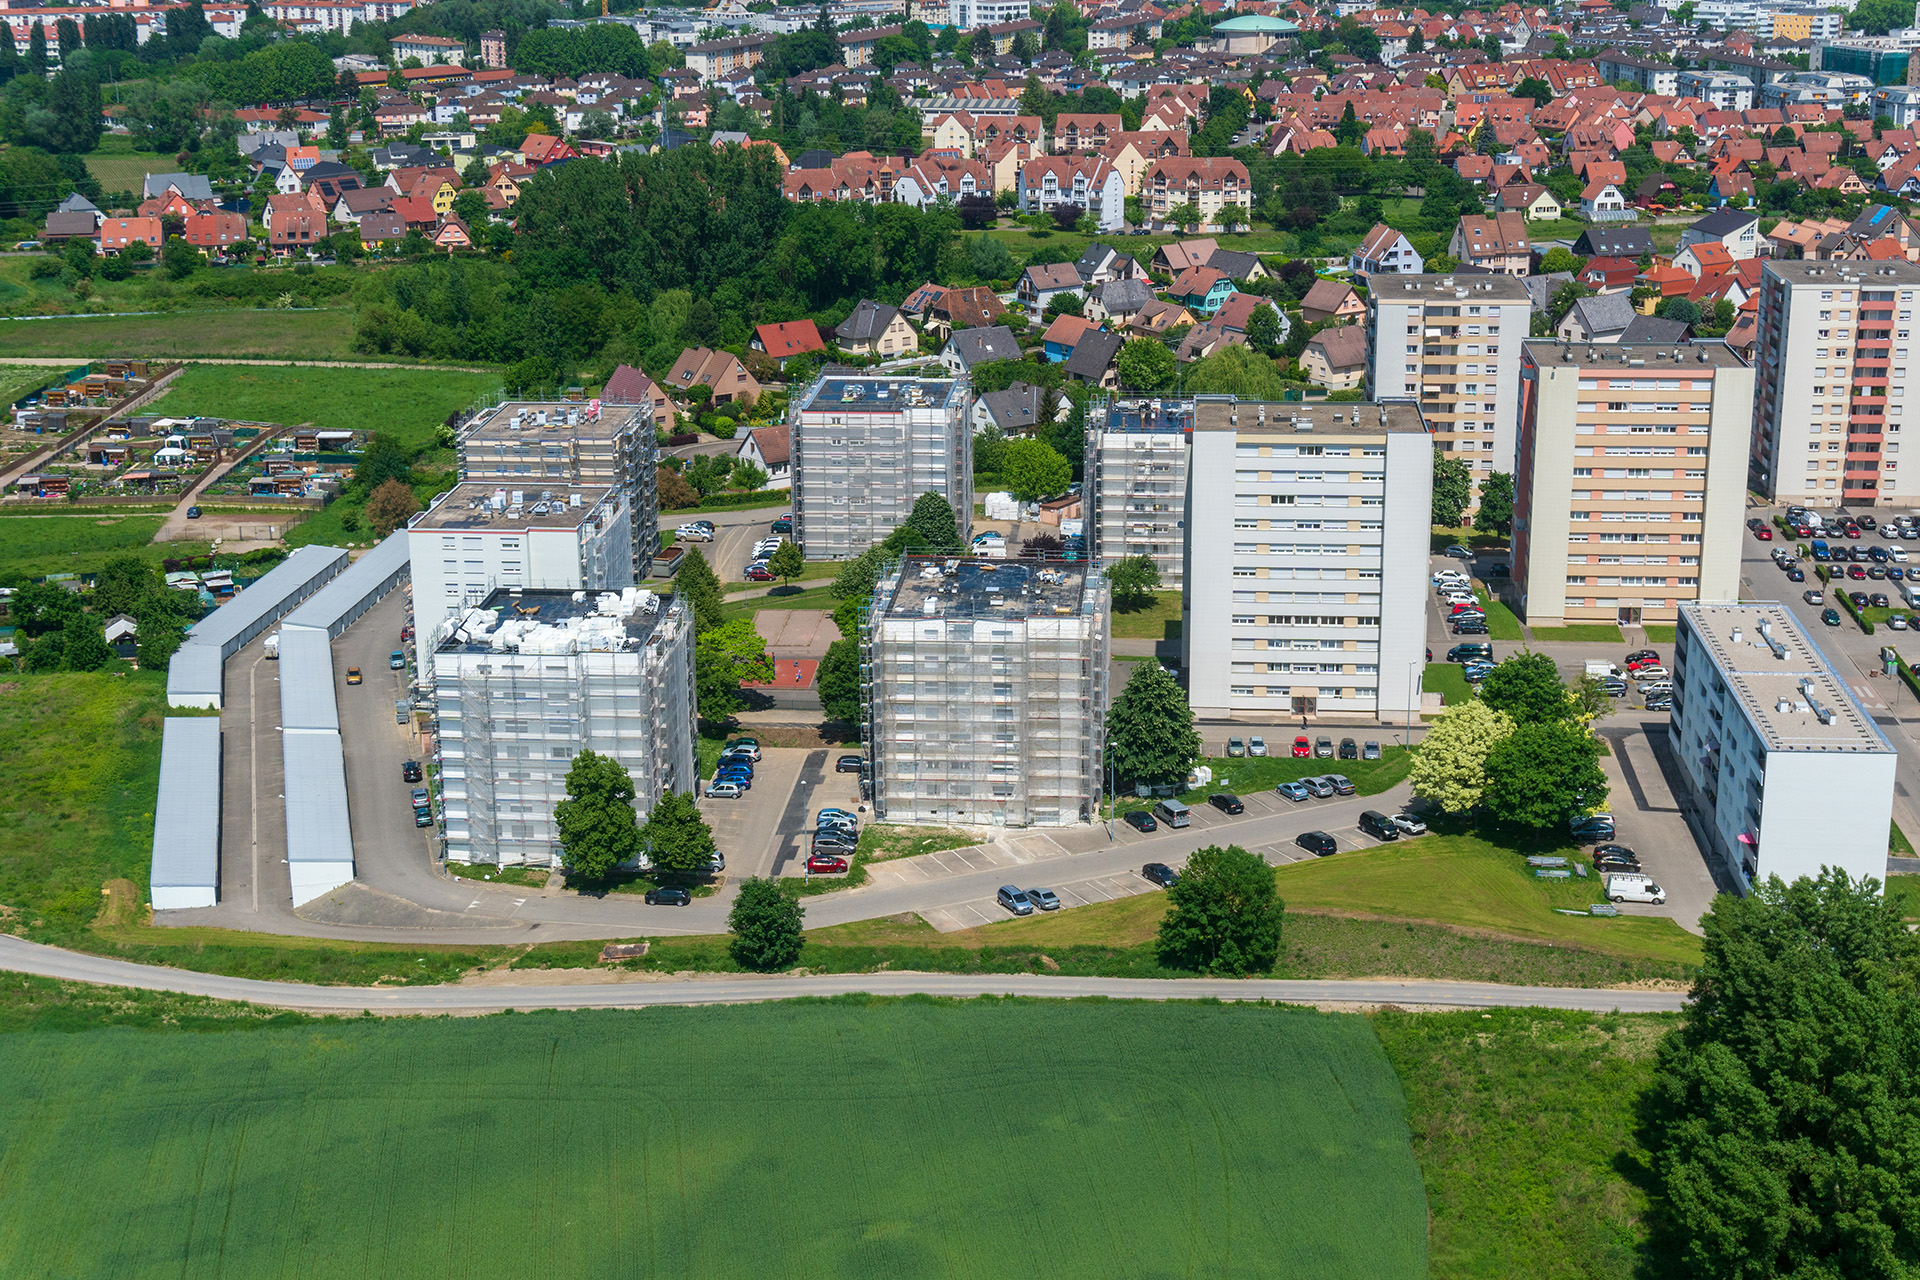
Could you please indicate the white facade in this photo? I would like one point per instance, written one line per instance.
(528, 682)
(1899, 104)
(1308, 531)
(1631, 494)
(1720, 89)
(1831, 334)
(1787, 772)
(968, 14)
(1091, 182)
(1453, 343)
(864, 449)
(478, 538)
(1136, 485)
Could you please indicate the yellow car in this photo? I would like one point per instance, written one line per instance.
(353, 675)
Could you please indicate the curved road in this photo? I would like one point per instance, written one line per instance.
(20, 956)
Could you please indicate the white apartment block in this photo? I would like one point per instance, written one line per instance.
(528, 680)
(1832, 353)
(1720, 89)
(1784, 771)
(1136, 484)
(552, 444)
(1308, 529)
(985, 689)
(477, 539)
(968, 14)
(1453, 343)
(1631, 494)
(865, 448)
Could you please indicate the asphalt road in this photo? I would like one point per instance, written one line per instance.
(26, 957)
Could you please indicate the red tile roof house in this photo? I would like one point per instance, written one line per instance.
(630, 386)
(117, 233)
(782, 342)
(214, 230)
(291, 233)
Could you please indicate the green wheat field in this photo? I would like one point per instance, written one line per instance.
(846, 1139)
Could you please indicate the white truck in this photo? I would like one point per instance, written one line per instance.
(1635, 888)
(271, 645)
(1601, 669)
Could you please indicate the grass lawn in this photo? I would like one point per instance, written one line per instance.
(1897, 842)
(1151, 1139)
(1581, 633)
(18, 381)
(1904, 892)
(409, 404)
(882, 841)
(238, 334)
(1501, 622)
(816, 571)
(796, 598)
(1523, 1123)
(1470, 883)
(1158, 621)
(1445, 536)
(1245, 775)
(530, 877)
(1448, 680)
(1657, 634)
(116, 166)
(33, 546)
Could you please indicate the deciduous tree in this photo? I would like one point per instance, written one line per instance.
(1033, 470)
(1452, 489)
(596, 822)
(1144, 365)
(697, 584)
(723, 657)
(1150, 733)
(1223, 915)
(1134, 579)
(675, 836)
(787, 563)
(1450, 768)
(390, 507)
(766, 926)
(838, 681)
(935, 520)
(1542, 773)
(1527, 686)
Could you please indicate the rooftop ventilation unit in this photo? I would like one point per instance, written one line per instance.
(1826, 713)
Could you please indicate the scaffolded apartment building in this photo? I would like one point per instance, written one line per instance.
(529, 680)
(985, 689)
(1137, 483)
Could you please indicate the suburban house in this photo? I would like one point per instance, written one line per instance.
(1103, 264)
(1332, 300)
(1015, 411)
(71, 224)
(970, 308)
(1204, 290)
(1336, 358)
(768, 449)
(358, 203)
(214, 231)
(1602, 202)
(719, 370)
(970, 348)
(782, 342)
(1614, 242)
(117, 233)
(1093, 360)
(1063, 335)
(1182, 255)
(630, 386)
(1116, 304)
(1040, 285)
(1206, 338)
(1602, 318)
(1736, 229)
(452, 234)
(1385, 252)
(1531, 201)
(381, 226)
(1157, 319)
(298, 232)
(1704, 258)
(876, 329)
(1498, 244)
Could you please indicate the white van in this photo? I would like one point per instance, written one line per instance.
(1635, 888)
(1173, 813)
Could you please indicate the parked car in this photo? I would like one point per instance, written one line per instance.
(1236, 748)
(1161, 874)
(1469, 652)
(718, 790)
(1635, 888)
(1140, 820)
(1897, 621)
(692, 533)
(353, 675)
(826, 864)
(1294, 791)
(421, 796)
(1469, 628)
(1349, 749)
(1879, 600)
(1369, 751)
(1409, 825)
(397, 660)
(1226, 803)
(1378, 825)
(1830, 616)
(669, 895)
(1302, 749)
(751, 746)
(783, 525)
(1323, 748)
(1614, 685)
(1341, 784)
(1317, 843)
(1256, 746)
(410, 771)
(849, 764)
(1320, 787)
(193, 513)
(1045, 899)
(423, 817)
(1659, 702)
(1015, 900)
(1457, 552)
(1763, 533)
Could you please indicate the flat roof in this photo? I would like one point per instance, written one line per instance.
(373, 573)
(1148, 415)
(293, 579)
(1225, 413)
(186, 815)
(1785, 685)
(1864, 274)
(307, 699)
(555, 622)
(488, 506)
(1436, 287)
(1682, 357)
(848, 389)
(970, 587)
(522, 420)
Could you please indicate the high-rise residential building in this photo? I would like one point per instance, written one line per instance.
(1831, 353)
(550, 444)
(527, 681)
(477, 538)
(1136, 483)
(865, 448)
(1761, 723)
(1308, 530)
(1631, 492)
(985, 690)
(1452, 342)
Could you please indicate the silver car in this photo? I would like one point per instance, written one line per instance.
(1320, 787)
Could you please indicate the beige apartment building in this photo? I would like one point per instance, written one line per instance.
(1631, 491)
(1831, 357)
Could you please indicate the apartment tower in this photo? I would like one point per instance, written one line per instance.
(1136, 486)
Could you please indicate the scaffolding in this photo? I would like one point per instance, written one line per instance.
(865, 448)
(527, 682)
(1136, 469)
(984, 685)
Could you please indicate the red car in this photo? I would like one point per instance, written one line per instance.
(1302, 749)
(824, 864)
(1853, 531)
(1763, 533)
(1642, 658)
(1856, 571)
(1803, 530)
(759, 573)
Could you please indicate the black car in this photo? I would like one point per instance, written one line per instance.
(1614, 850)
(410, 771)
(1795, 575)
(1615, 687)
(849, 764)
(1317, 843)
(1161, 874)
(1878, 600)
(1859, 599)
(1349, 749)
(668, 895)
(1470, 628)
(1226, 803)
(193, 513)
(1140, 820)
